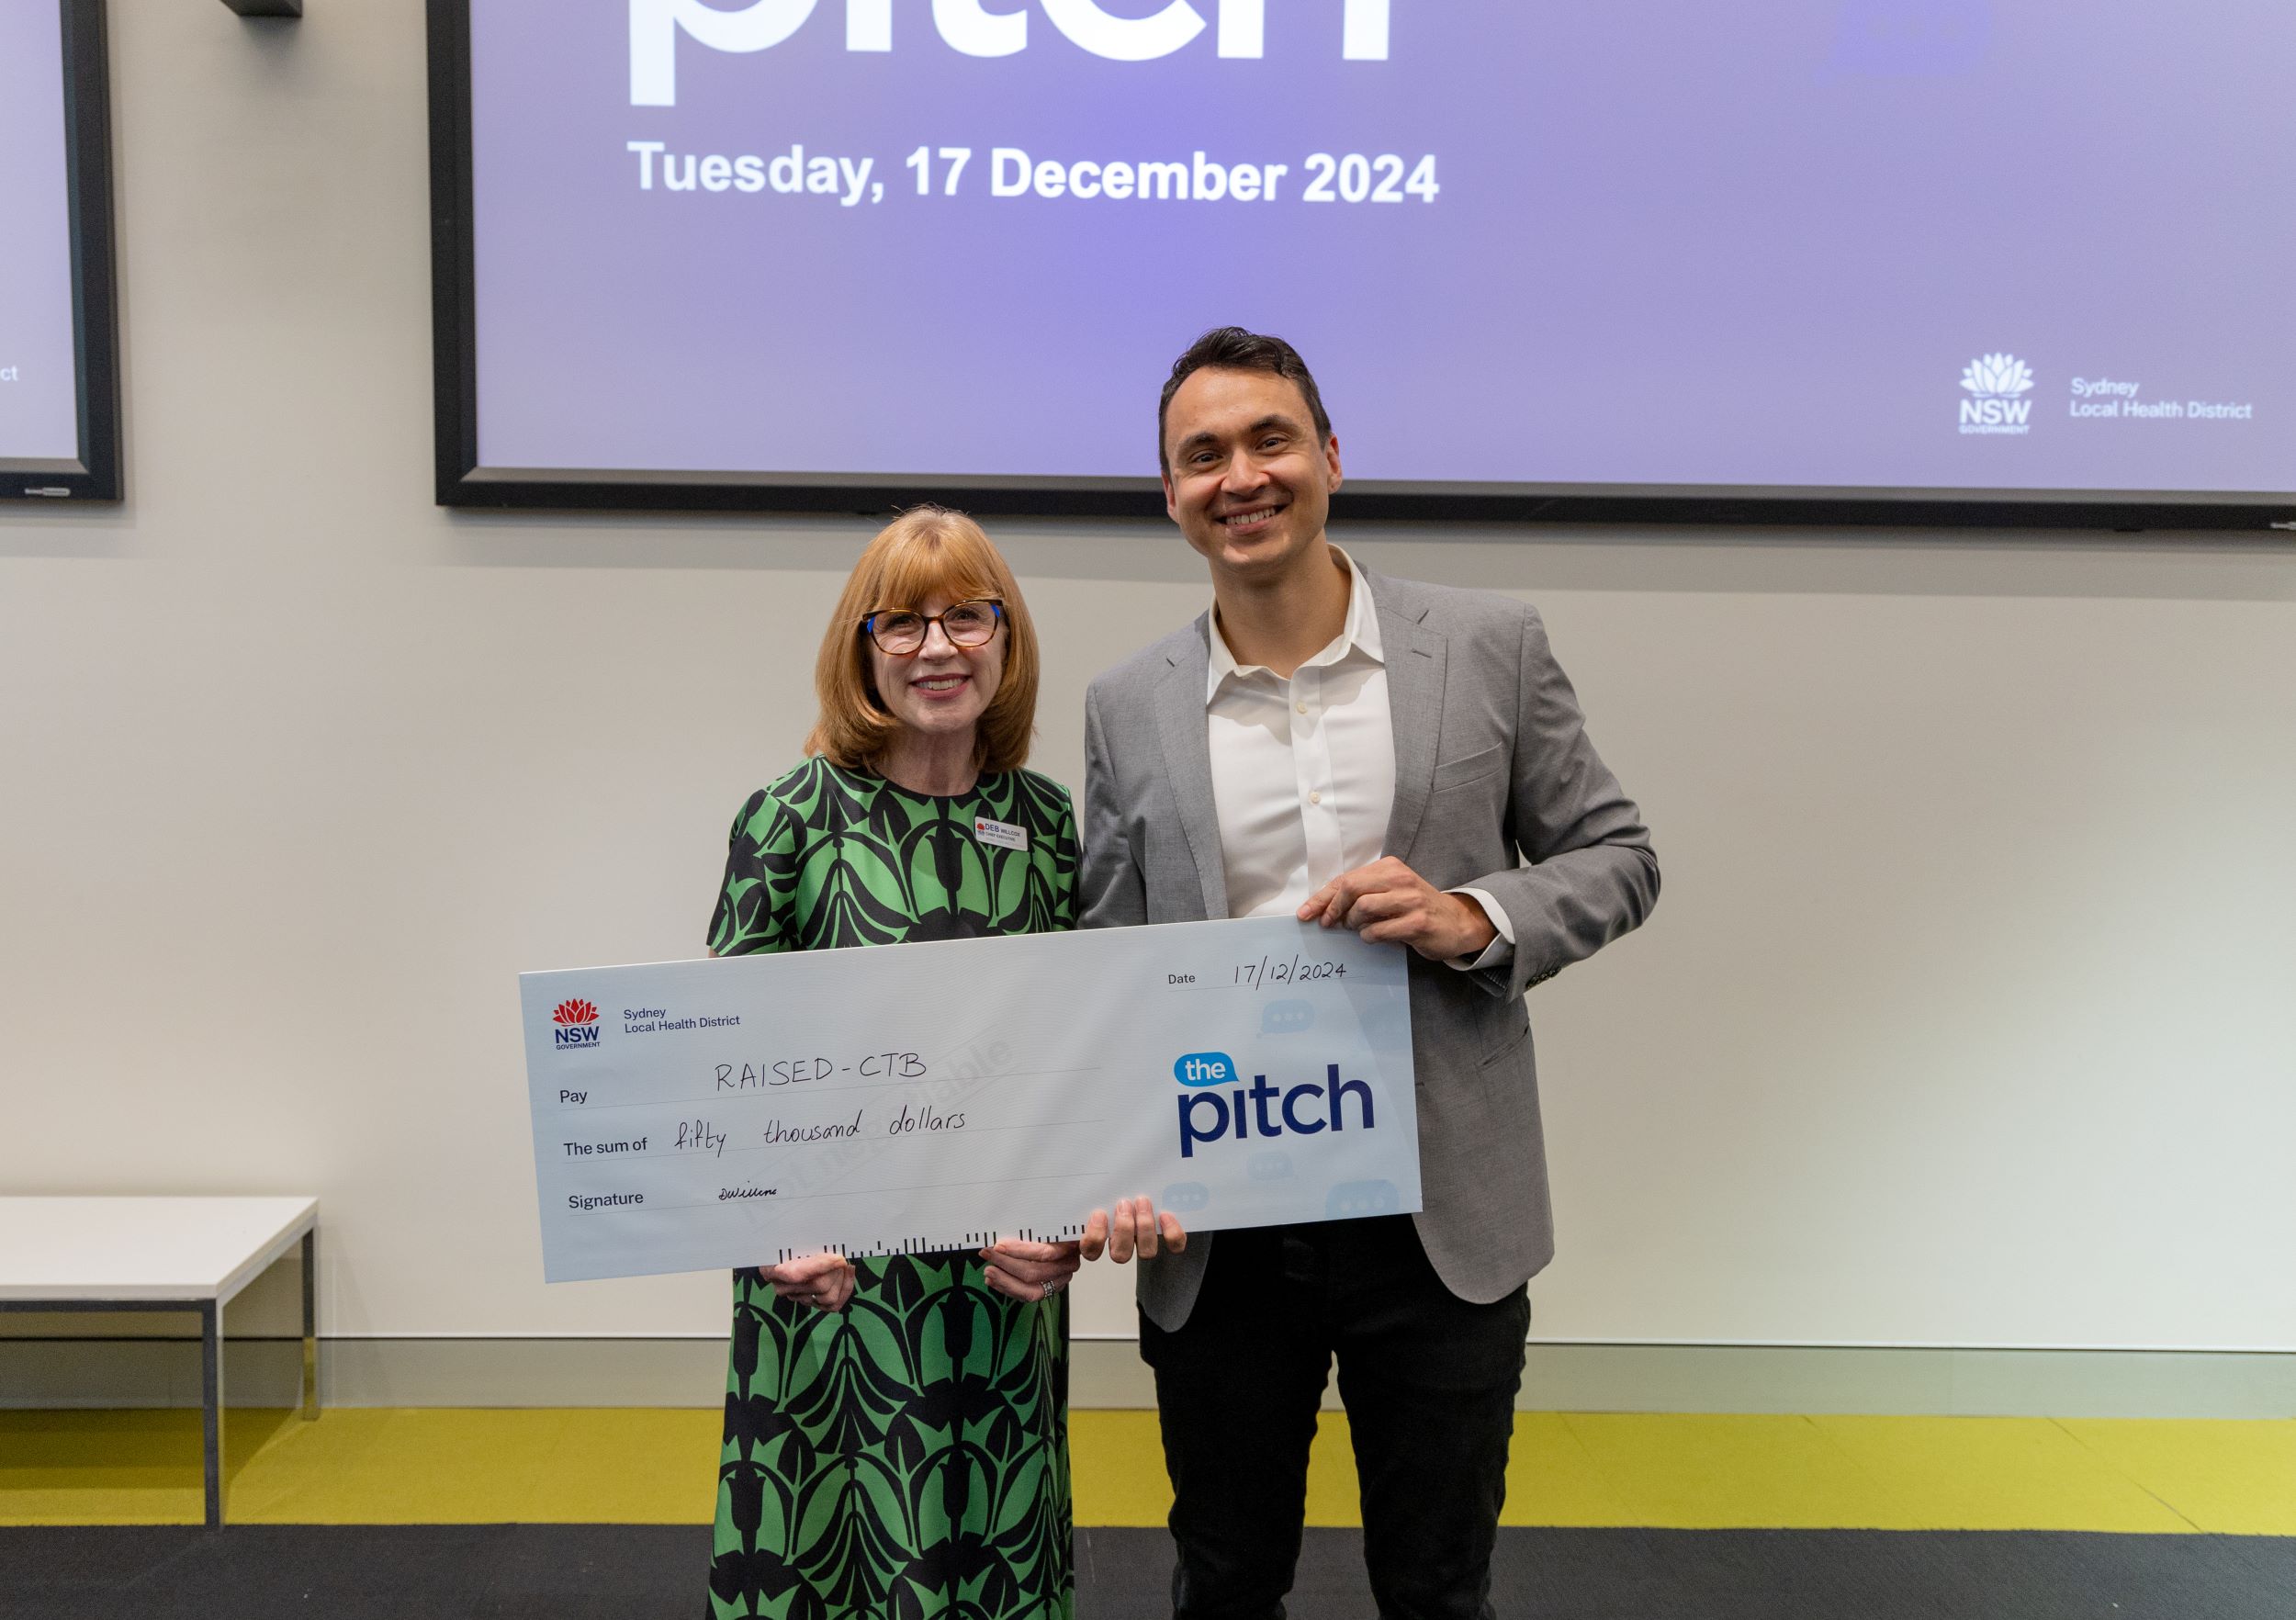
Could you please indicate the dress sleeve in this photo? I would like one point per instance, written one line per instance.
(755, 900)
(1068, 862)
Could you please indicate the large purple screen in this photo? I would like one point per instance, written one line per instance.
(1877, 244)
(39, 418)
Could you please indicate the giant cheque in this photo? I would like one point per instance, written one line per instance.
(905, 1099)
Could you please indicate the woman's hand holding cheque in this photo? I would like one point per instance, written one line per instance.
(822, 1281)
(1027, 1271)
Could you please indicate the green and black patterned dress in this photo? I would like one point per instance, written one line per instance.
(909, 1456)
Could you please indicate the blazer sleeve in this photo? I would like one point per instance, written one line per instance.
(1592, 874)
(1113, 890)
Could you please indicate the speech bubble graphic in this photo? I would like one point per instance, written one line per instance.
(1351, 1198)
(1287, 1018)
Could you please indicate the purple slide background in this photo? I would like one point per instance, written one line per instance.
(39, 418)
(1677, 243)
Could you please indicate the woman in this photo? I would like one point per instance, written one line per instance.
(896, 1427)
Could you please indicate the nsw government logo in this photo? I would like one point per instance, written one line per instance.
(576, 1022)
(1997, 384)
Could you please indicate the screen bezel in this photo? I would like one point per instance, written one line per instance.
(94, 474)
(463, 481)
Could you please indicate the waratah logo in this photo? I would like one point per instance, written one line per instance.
(1998, 375)
(1995, 383)
(576, 1022)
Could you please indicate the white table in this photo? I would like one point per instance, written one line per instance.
(152, 1254)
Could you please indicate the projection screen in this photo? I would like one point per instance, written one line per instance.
(1842, 260)
(59, 376)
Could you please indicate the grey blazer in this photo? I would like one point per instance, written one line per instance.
(1491, 758)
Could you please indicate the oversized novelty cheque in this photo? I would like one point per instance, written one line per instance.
(904, 1099)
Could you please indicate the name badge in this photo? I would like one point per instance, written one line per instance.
(1002, 834)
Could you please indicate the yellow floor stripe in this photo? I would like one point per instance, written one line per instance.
(2231, 1479)
(2000, 1474)
(383, 1466)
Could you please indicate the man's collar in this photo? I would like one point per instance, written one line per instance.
(1359, 634)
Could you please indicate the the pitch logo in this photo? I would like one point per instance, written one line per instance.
(576, 1022)
(1996, 385)
(970, 28)
(1209, 1114)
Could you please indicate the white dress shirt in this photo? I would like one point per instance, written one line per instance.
(1303, 771)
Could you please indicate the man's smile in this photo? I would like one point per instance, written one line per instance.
(1252, 518)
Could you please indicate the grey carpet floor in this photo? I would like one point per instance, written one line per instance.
(642, 1572)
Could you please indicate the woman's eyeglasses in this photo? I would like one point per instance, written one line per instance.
(900, 633)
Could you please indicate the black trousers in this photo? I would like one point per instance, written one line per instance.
(1429, 1383)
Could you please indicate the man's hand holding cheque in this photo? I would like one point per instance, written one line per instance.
(1388, 903)
(1038, 1271)
(1135, 1228)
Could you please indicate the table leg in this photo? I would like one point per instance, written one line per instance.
(310, 1326)
(211, 1404)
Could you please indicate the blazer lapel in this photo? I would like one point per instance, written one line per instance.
(1185, 734)
(1416, 658)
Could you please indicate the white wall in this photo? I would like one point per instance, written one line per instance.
(1966, 1018)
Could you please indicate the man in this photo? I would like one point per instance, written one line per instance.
(1372, 753)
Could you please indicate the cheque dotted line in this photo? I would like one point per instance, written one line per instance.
(865, 1192)
(782, 1147)
(782, 1093)
(1270, 972)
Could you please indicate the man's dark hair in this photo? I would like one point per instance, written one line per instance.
(1231, 348)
